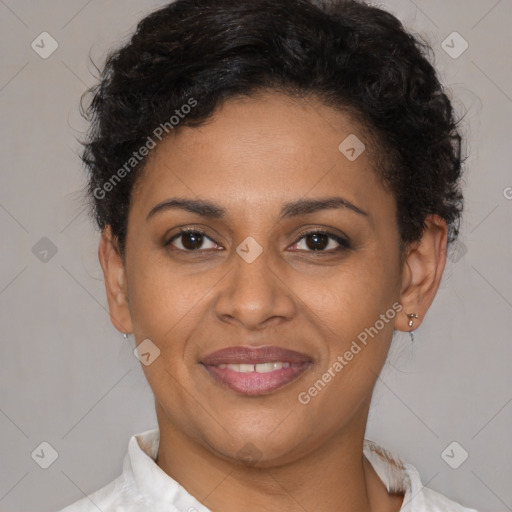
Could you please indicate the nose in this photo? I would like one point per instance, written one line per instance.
(255, 294)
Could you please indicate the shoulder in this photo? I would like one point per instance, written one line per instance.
(117, 496)
(436, 502)
(122, 493)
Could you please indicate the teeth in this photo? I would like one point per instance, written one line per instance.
(267, 367)
(246, 368)
(258, 368)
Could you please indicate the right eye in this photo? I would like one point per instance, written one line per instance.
(189, 240)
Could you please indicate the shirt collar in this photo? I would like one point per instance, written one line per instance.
(151, 482)
(397, 475)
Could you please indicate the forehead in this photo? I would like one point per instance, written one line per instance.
(258, 152)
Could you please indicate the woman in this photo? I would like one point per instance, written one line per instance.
(276, 184)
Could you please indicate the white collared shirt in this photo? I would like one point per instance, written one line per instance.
(144, 486)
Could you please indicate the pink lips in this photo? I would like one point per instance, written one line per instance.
(254, 382)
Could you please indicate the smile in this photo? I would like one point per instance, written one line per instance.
(255, 371)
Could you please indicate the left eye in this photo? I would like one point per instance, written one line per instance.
(320, 241)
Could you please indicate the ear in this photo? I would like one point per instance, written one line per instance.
(422, 272)
(115, 281)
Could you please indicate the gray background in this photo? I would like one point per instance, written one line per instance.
(70, 379)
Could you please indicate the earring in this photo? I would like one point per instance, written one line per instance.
(411, 316)
(125, 336)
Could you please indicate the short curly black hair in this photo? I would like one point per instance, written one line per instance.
(185, 59)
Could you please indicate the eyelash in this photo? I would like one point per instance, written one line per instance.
(344, 244)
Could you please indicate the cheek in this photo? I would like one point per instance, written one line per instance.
(353, 310)
(353, 295)
(164, 301)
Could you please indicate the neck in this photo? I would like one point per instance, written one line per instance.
(334, 476)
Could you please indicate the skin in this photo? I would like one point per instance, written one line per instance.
(253, 156)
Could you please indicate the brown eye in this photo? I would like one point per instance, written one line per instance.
(316, 241)
(191, 240)
(319, 241)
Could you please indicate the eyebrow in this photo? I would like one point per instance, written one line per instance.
(291, 209)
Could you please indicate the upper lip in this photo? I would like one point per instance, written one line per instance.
(254, 355)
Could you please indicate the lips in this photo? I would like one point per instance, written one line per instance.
(255, 370)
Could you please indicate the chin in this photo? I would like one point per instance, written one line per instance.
(261, 446)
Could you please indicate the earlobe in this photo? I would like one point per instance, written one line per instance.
(114, 275)
(422, 272)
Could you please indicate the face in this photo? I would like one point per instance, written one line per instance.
(267, 263)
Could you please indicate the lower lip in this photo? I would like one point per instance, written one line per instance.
(254, 383)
